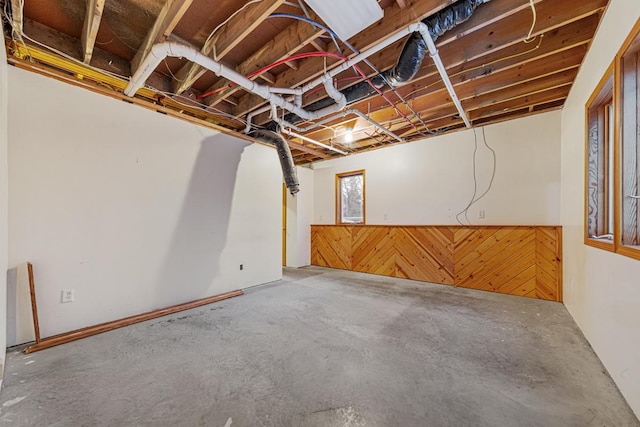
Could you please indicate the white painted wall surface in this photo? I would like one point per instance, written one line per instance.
(132, 209)
(601, 289)
(3, 203)
(430, 181)
(299, 219)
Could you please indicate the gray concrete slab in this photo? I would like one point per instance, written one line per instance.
(326, 348)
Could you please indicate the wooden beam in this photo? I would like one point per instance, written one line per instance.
(452, 54)
(446, 110)
(283, 45)
(308, 150)
(402, 3)
(319, 44)
(127, 321)
(518, 55)
(518, 103)
(92, 20)
(169, 16)
(226, 38)
(395, 18)
(499, 35)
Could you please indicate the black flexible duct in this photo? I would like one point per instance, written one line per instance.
(284, 153)
(409, 61)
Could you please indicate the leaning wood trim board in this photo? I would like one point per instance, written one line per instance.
(115, 324)
(34, 306)
(515, 260)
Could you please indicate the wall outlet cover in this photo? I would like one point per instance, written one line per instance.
(67, 295)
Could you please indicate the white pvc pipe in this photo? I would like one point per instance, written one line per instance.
(254, 113)
(374, 123)
(313, 141)
(162, 50)
(360, 57)
(433, 52)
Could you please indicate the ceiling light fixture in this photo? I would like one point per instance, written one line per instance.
(347, 18)
(348, 136)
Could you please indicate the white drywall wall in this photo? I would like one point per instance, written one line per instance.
(299, 218)
(601, 289)
(430, 181)
(3, 204)
(132, 209)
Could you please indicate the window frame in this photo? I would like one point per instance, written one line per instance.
(631, 46)
(599, 101)
(339, 177)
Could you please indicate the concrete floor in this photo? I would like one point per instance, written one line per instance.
(326, 348)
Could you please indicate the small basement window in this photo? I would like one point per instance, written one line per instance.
(350, 198)
(599, 186)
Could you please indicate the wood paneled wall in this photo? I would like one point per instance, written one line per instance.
(515, 260)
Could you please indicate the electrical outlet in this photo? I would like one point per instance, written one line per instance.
(481, 214)
(67, 295)
(386, 217)
(241, 266)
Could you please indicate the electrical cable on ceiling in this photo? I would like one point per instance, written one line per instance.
(528, 39)
(209, 109)
(71, 58)
(475, 199)
(17, 34)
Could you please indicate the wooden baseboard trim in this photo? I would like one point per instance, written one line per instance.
(115, 324)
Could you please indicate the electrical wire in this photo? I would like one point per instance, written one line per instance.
(528, 39)
(475, 199)
(71, 58)
(17, 34)
(175, 97)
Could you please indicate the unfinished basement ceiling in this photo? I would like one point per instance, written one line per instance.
(495, 71)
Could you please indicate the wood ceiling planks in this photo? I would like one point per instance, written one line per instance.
(495, 74)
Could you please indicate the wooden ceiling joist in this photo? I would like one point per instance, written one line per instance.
(578, 33)
(495, 74)
(395, 18)
(308, 150)
(225, 39)
(90, 28)
(169, 16)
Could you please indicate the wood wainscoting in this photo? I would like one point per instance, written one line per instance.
(516, 260)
